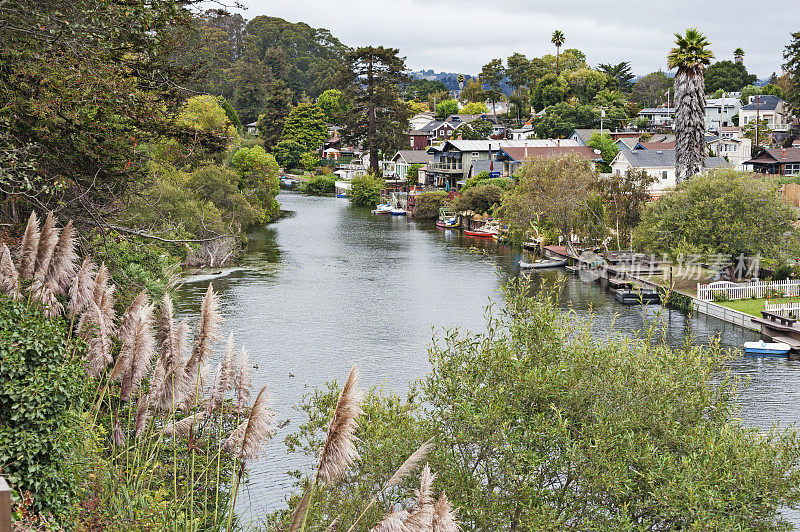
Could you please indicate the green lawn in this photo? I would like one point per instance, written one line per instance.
(754, 306)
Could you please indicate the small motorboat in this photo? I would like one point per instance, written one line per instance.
(628, 296)
(398, 212)
(383, 208)
(484, 233)
(766, 348)
(542, 264)
(447, 224)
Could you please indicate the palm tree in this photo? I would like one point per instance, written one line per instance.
(558, 39)
(738, 55)
(690, 56)
(461, 82)
(621, 73)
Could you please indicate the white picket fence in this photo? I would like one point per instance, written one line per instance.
(748, 290)
(783, 309)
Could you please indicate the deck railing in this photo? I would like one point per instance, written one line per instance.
(783, 309)
(453, 167)
(748, 290)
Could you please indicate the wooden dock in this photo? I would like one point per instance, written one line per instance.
(780, 329)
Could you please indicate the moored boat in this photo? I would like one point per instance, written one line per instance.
(484, 233)
(766, 348)
(542, 264)
(383, 208)
(397, 212)
(447, 224)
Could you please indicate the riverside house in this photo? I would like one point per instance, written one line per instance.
(659, 164)
(455, 161)
(777, 161)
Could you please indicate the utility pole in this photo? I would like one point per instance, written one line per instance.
(758, 116)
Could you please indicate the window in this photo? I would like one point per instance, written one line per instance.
(663, 174)
(791, 169)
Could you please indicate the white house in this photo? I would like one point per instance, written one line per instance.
(420, 120)
(404, 159)
(659, 116)
(522, 133)
(767, 107)
(720, 112)
(251, 128)
(731, 145)
(659, 164)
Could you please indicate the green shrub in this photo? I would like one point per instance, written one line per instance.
(479, 199)
(503, 182)
(41, 385)
(782, 273)
(428, 205)
(366, 190)
(720, 296)
(319, 185)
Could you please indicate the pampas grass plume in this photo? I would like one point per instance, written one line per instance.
(248, 439)
(444, 516)
(182, 427)
(9, 277)
(421, 519)
(82, 289)
(392, 522)
(48, 238)
(26, 260)
(243, 383)
(63, 262)
(339, 450)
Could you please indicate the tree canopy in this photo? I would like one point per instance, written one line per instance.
(727, 76)
(724, 212)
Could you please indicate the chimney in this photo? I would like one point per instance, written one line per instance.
(558, 143)
(783, 153)
(526, 151)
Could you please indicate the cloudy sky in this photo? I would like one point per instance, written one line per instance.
(460, 36)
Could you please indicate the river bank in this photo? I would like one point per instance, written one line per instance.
(333, 285)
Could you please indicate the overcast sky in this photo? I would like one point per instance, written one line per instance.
(460, 36)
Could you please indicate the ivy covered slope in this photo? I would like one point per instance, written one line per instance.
(41, 400)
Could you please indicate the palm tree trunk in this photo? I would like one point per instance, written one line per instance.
(689, 123)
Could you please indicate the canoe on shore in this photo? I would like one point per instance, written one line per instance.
(542, 264)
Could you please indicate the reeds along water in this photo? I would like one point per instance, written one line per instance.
(152, 389)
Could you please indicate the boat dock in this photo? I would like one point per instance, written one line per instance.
(779, 329)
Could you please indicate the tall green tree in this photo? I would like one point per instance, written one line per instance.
(473, 92)
(277, 106)
(84, 87)
(690, 56)
(651, 90)
(625, 197)
(518, 71)
(620, 73)
(728, 76)
(558, 39)
(791, 54)
(306, 126)
(491, 76)
(607, 147)
(332, 105)
(379, 119)
(550, 90)
(738, 55)
(722, 212)
(446, 108)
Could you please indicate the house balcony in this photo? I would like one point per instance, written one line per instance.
(446, 167)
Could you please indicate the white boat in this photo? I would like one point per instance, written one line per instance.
(383, 208)
(542, 264)
(397, 212)
(766, 348)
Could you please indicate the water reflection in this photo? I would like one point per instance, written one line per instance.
(331, 286)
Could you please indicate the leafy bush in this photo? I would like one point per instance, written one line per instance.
(479, 199)
(366, 190)
(428, 205)
(472, 181)
(505, 183)
(565, 432)
(720, 296)
(319, 185)
(309, 161)
(41, 397)
(782, 273)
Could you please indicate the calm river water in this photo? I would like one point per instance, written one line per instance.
(331, 286)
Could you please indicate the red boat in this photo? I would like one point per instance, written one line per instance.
(480, 232)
